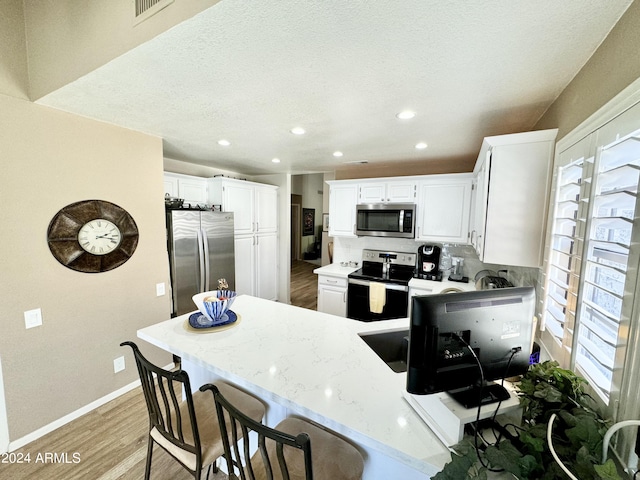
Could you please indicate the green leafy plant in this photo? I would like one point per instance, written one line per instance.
(523, 451)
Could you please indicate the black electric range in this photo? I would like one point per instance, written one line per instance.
(394, 270)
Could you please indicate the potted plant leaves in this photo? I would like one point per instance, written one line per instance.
(522, 451)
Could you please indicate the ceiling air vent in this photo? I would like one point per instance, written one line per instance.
(148, 8)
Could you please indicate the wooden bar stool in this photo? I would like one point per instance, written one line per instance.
(294, 450)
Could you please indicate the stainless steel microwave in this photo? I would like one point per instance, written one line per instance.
(386, 220)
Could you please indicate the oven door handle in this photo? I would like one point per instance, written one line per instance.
(387, 286)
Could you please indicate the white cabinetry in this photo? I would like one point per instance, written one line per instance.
(513, 174)
(444, 203)
(191, 189)
(332, 295)
(343, 198)
(255, 208)
(255, 205)
(387, 192)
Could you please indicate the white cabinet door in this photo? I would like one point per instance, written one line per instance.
(171, 185)
(332, 300)
(373, 192)
(443, 208)
(267, 266)
(387, 192)
(514, 176)
(401, 192)
(479, 210)
(332, 295)
(193, 190)
(266, 207)
(239, 199)
(245, 264)
(342, 210)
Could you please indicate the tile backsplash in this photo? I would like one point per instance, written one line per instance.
(350, 249)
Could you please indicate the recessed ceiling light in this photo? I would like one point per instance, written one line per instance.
(224, 143)
(421, 146)
(275, 160)
(298, 131)
(406, 115)
(337, 154)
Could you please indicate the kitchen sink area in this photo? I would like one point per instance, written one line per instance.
(391, 346)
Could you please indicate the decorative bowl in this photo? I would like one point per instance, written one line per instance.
(214, 304)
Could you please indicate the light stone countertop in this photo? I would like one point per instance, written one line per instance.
(316, 365)
(335, 270)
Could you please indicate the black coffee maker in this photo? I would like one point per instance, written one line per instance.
(429, 263)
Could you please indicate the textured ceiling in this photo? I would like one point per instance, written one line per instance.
(248, 71)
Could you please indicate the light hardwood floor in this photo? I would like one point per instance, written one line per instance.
(304, 284)
(110, 443)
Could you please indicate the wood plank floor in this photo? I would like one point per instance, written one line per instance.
(304, 284)
(110, 443)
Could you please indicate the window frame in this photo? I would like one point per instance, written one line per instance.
(624, 402)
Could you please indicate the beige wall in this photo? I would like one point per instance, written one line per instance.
(13, 50)
(185, 168)
(51, 159)
(69, 38)
(402, 168)
(613, 66)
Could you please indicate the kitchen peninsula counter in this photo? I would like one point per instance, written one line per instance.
(314, 365)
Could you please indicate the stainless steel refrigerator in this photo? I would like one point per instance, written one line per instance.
(201, 251)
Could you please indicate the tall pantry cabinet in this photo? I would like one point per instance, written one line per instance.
(255, 208)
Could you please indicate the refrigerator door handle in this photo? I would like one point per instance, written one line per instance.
(201, 261)
(205, 267)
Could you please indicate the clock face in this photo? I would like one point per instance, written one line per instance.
(99, 236)
(92, 236)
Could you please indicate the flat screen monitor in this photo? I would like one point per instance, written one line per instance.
(496, 324)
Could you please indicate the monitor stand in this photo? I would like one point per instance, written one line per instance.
(447, 418)
(472, 397)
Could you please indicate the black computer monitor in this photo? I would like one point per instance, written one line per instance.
(496, 324)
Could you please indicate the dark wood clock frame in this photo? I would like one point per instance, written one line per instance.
(62, 236)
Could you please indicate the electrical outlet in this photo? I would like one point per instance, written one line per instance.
(160, 289)
(118, 364)
(33, 318)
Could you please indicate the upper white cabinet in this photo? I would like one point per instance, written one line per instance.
(343, 198)
(191, 189)
(255, 205)
(255, 209)
(443, 209)
(513, 174)
(387, 192)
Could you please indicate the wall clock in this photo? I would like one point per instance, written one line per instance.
(92, 236)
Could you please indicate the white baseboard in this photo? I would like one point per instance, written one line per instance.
(21, 442)
(4, 424)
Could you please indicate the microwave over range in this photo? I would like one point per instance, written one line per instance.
(386, 220)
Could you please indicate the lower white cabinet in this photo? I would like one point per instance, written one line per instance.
(256, 265)
(332, 295)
